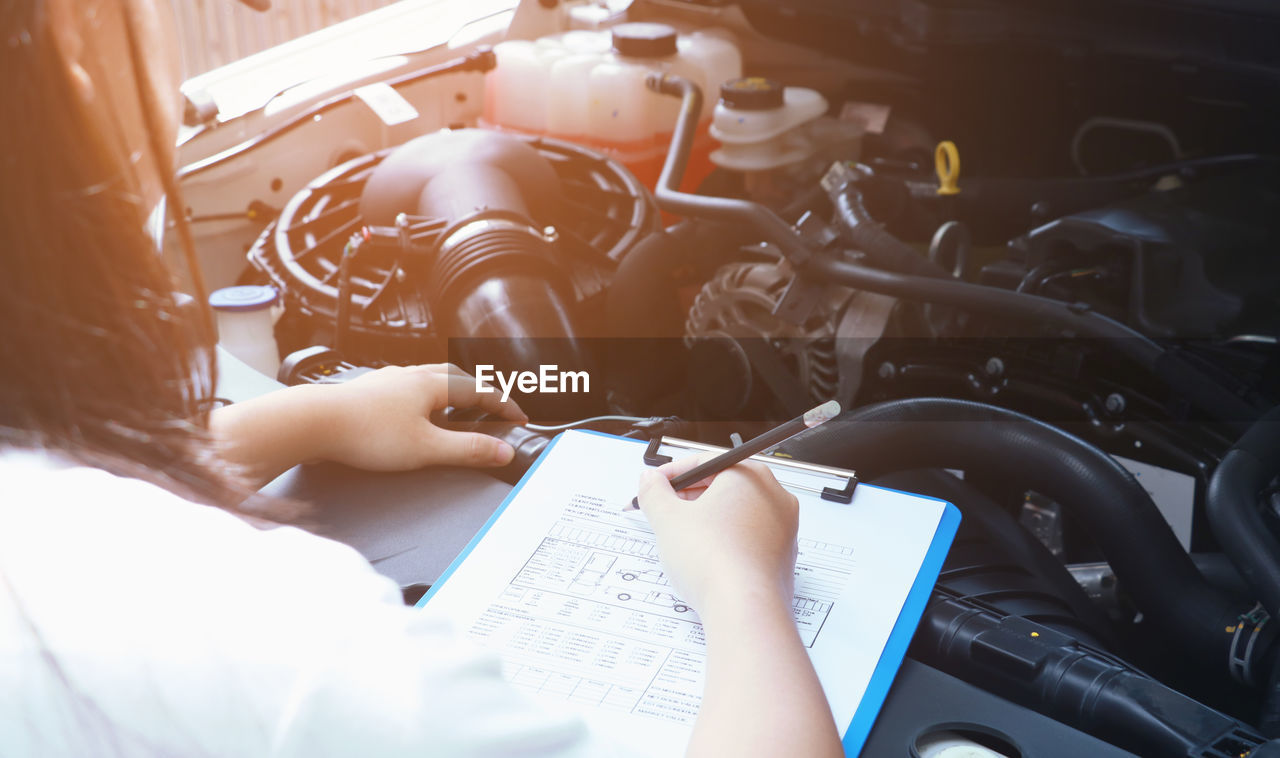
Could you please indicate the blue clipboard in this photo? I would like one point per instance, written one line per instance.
(895, 648)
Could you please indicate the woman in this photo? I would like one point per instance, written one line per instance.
(135, 619)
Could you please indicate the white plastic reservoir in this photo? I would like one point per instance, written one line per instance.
(762, 126)
(588, 87)
(246, 317)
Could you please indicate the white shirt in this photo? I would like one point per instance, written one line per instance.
(133, 622)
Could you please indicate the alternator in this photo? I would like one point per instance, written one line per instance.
(733, 314)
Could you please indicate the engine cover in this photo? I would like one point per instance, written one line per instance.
(598, 214)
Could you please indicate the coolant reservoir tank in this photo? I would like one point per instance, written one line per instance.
(762, 125)
(587, 86)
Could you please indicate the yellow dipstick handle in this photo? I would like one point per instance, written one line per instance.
(946, 161)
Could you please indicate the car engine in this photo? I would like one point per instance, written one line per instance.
(1033, 248)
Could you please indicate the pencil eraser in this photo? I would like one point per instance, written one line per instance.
(822, 414)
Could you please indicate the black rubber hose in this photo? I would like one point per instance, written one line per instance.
(1232, 507)
(923, 289)
(993, 301)
(882, 248)
(1174, 370)
(1269, 711)
(642, 300)
(670, 199)
(1053, 673)
(1020, 545)
(1000, 207)
(1029, 454)
(1073, 318)
(644, 355)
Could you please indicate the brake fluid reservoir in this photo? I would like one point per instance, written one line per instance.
(588, 87)
(762, 125)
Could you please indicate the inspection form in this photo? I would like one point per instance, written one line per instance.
(569, 591)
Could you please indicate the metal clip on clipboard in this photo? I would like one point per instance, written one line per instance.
(652, 457)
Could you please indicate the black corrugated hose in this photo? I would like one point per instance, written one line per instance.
(882, 248)
(1232, 507)
(1029, 454)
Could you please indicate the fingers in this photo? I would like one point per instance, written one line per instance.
(688, 463)
(450, 448)
(654, 492)
(462, 393)
(657, 482)
(748, 468)
(761, 473)
(653, 484)
(677, 467)
(760, 478)
(448, 368)
(681, 465)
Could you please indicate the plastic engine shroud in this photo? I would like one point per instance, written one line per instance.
(604, 213)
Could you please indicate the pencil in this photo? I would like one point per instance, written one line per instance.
(774, 436)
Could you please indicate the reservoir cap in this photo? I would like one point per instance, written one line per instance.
(244, 298)
(751, 93)
(644, 40)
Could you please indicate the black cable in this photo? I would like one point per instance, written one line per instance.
(583, 422)
(342, 325)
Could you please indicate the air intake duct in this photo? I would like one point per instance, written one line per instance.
(495, 277)
(1029, 454)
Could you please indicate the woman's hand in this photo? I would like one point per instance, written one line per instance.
(379, 421)
(736, 529)
(729, 546)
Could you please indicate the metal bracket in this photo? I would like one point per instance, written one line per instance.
(651, 455)
(798, 300)
(654, 426)
(844, 495)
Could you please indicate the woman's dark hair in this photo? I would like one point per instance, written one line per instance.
(100, 362)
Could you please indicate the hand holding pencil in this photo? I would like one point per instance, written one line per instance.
(720, 522)
(775, 436)
(715, 538)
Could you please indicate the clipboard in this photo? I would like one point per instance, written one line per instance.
(808, 481)
(653, 456)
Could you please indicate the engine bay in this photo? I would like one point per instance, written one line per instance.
(1032, 249)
